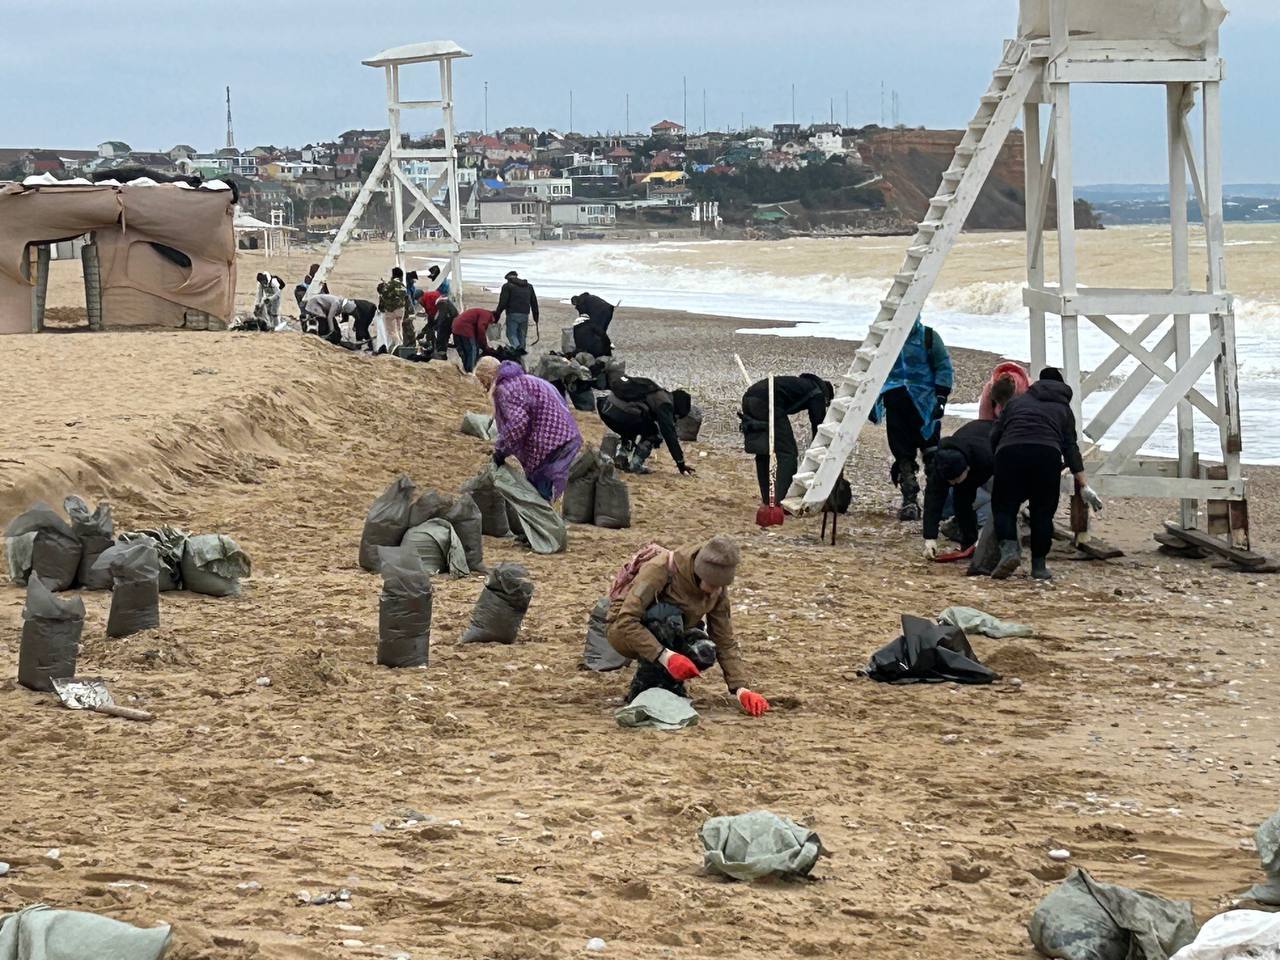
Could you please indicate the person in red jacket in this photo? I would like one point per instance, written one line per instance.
(470, 330)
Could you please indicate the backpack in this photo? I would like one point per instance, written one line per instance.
(634, 389)
(626, 574)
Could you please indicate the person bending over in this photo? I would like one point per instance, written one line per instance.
(640, 411)
(439, 327)
(695, 580)
(963, 467)
(1034, 436)
(470, 335)
(595, 309)
(534, 425)
(807, 393)
(324, 313)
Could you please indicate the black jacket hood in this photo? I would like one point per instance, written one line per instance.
(1051, 391)
(518, 281)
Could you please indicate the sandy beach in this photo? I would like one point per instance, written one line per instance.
(1137, 728)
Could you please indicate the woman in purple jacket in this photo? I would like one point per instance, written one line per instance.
(534, 425)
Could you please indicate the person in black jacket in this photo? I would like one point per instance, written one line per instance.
(639, 410)
(590, 337)
(963, 465)
(594, 308)
(518, 301)
(807, 393)
(1035, 434)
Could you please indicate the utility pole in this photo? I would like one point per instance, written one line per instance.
(846, 108)
(231, 137)
(832, 105)
(704, 109)
(793, 103)
(486, 107)
(628, 127)
(571, 111)
(882, 116)
(685, 82)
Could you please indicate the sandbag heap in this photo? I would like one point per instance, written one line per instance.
(404, 610)
(55, 549)
(501, 606)
(446, 533)
(1083, 919)
(595, 494)
(135, 592)
(688, 427)
(170, 544)
(212, 564)
(759, 844)
(50, 636)
(387, 521)
(96, 534)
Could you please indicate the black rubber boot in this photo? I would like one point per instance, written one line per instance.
(622, 459)
(910, 510)
(1010, 560)
(639, 456)
(1040, 568)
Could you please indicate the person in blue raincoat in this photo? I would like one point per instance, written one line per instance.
(911, 405)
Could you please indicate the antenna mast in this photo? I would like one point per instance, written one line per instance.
(231, 137)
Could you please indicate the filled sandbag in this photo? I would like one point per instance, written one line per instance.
(213, 564)
(530, 517)
(582, 396)
(689, 426)
(597, 653)
(17, 557)
(386, 522)
(1084, 919)
(95, 531)
(41, 933)
(609, 445)
(135, 596)
(404, 609)
(430, 505)
(501, 606)
(170, 544)
(437, 547)
(1267, 842)
(479, 425)
(492, 505)
(759, 844)
(55, 551)
(50, 636)
(468, 523)
(613, 499)
(554, 368)
(579, 504)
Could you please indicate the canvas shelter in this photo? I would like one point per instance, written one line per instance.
(1181, 23)
(160, 251)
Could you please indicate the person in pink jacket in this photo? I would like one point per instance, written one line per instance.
(534, 425)
(988, 407)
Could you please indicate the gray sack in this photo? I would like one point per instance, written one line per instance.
(463, 514)
(597, 653)
(437, 548)
(41, 933)
(501, 606)
(1082, 919)
(479, 425)
(759, 844)
(135, 591)
(531, 518)
(613, 500)
(55, 552)
(688, 427)
(387, 521)
(579, 504)
(170, 544)
(212, 564)
(404, 610)
(493, 508)
(1267, 840)
(50, 636)
(96, 534)
(17, 557)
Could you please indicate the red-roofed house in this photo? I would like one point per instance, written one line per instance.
(621, 156)
(667, 128)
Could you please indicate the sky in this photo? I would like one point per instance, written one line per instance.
(77, 72)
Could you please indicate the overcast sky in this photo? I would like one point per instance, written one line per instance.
(76, 72)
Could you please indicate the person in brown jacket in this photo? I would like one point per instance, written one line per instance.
(694, 579)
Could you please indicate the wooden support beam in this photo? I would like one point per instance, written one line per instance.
(1153, 363)
(1102, 372)
(1197, 538)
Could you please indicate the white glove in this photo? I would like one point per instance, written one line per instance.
(931, 550)
(1090, 496)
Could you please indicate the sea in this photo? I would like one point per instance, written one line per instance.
(832, 288)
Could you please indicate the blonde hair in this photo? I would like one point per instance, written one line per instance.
(486, 370)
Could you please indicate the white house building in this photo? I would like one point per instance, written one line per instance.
(830, 143)
(547, 188)
(583, 213)
(511, 206)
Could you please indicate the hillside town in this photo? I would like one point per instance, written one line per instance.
(520, 182)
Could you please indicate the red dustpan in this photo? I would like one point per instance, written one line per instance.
(770, 514)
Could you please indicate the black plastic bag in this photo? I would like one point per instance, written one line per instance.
(50, 636)
(55, 552)
(135, 596)
(96, 534)
(387, 521)
(689, 426)
(928, 652)
(579, 505)
(666, 622)
(613, 500)
(501, 606)
(404, 610)
(492, 505)
(597, 653)
(582, 396)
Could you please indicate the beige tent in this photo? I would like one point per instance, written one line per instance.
(164, 250)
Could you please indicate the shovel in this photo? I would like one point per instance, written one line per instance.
(770, 514)
(91, 693)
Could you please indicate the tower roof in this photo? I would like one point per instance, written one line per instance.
(417, 53)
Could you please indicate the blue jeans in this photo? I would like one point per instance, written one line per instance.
(517, 330)
(468, 352)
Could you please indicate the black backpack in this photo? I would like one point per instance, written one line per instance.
(634, 389)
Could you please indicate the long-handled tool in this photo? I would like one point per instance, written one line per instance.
(91, 693)
(770, 514)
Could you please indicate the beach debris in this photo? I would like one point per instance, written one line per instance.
(4, 868)
(657, 708)
(1267, 842)
(597, 836)
(971, 620)
(1235, 935)
(53, 853)
(263, 681)
(759, 844)
(501, 606)
(508, 878)
(249, 886)
(51, 630)
(1084, 919)
(928, 652)
(323, 899)
(1059, 855)
(595, 945)
(91, 693)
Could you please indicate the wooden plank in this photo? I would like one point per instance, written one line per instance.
(1126, 302)
(1035, 225)
(1175, 96)
(1102, 372)
(1172, 488)
(1070, 70)
(1155, 364)
(1122, 398)
(1099, 550)
(1198, 538)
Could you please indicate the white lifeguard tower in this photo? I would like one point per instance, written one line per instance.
(1173, 43)
(389, 175)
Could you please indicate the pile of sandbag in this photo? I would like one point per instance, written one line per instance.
(445, 533)
(48, 547)
(690, 425)
(595, 494)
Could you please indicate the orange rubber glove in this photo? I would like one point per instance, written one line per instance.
(752, 702)
(679, 666)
